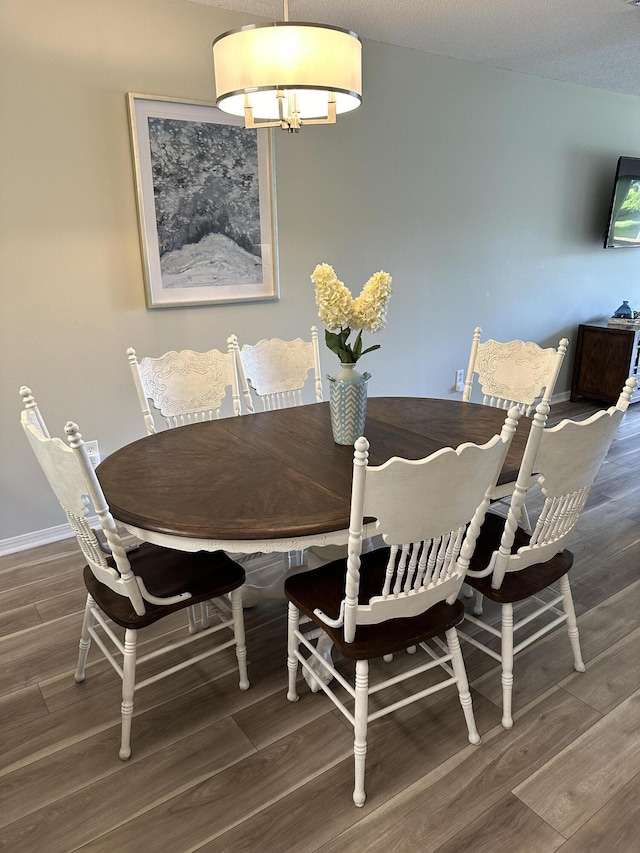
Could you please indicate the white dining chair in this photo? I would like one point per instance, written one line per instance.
(277, 371)
(131, 590)
(187, 386)
(511, 565)
(403, 595)
(513, 373)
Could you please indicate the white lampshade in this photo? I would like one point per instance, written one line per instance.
(288, 73)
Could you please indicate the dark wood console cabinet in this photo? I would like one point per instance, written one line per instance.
(604, 358)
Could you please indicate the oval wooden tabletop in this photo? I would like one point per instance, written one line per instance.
(278, 474)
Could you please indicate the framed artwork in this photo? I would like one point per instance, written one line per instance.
(206, 204)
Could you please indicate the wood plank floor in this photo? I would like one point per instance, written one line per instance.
(217, 769)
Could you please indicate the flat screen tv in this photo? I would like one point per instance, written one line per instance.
(624, 214)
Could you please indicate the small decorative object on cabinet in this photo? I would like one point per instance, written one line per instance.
(624, 310)
(342, 314)
(605, 356)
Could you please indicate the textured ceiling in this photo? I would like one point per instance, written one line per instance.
(589, 42)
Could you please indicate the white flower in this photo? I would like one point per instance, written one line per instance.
(338, 310)
(370, 308)
(333, 299)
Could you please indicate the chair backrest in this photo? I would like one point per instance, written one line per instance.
(277, 371)
(185, 387)
(565, 461)
(513, 373)
(32, 412)
(73, 480)
(429, 512)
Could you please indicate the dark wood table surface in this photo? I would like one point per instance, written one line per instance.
(276, 475)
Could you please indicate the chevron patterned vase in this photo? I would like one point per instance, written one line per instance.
(348, 403)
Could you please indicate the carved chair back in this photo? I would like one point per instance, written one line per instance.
(565, 461)
(185, 387)
(429, 512)
(277, 371)
(513, 373)
(74, 482)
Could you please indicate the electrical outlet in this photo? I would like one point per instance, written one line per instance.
(460, 379)
(94, 452)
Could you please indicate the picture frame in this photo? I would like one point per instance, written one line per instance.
(206, 206)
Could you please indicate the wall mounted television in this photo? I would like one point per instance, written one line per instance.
(624, 213)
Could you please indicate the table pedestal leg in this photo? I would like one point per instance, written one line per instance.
(324, 647)
(266, 574)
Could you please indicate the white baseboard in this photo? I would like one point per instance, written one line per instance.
(33, 540)
(40, 537)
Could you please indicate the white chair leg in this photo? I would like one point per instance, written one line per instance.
(460, 672)
(295, 559)
(128, 690)
(205, 620)
(507, 664)
(85, 639)
(192, 620)
(293, 622)
(572, 626)
(361, 713)
(477, 607)
(238, 633)
(467, 591)
(525, 522)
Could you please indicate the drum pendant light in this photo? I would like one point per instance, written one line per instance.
(288, 74)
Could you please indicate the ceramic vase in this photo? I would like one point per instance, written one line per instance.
(348, 403)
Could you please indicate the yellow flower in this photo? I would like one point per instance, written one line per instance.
(339, 310)
(333, 299)
(370, 308)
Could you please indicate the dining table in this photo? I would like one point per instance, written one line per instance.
(276, 481)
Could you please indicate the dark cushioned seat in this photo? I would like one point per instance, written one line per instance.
(165, 573)
(516, 586)
(323, 589)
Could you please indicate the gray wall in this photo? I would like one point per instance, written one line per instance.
(483, 192)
